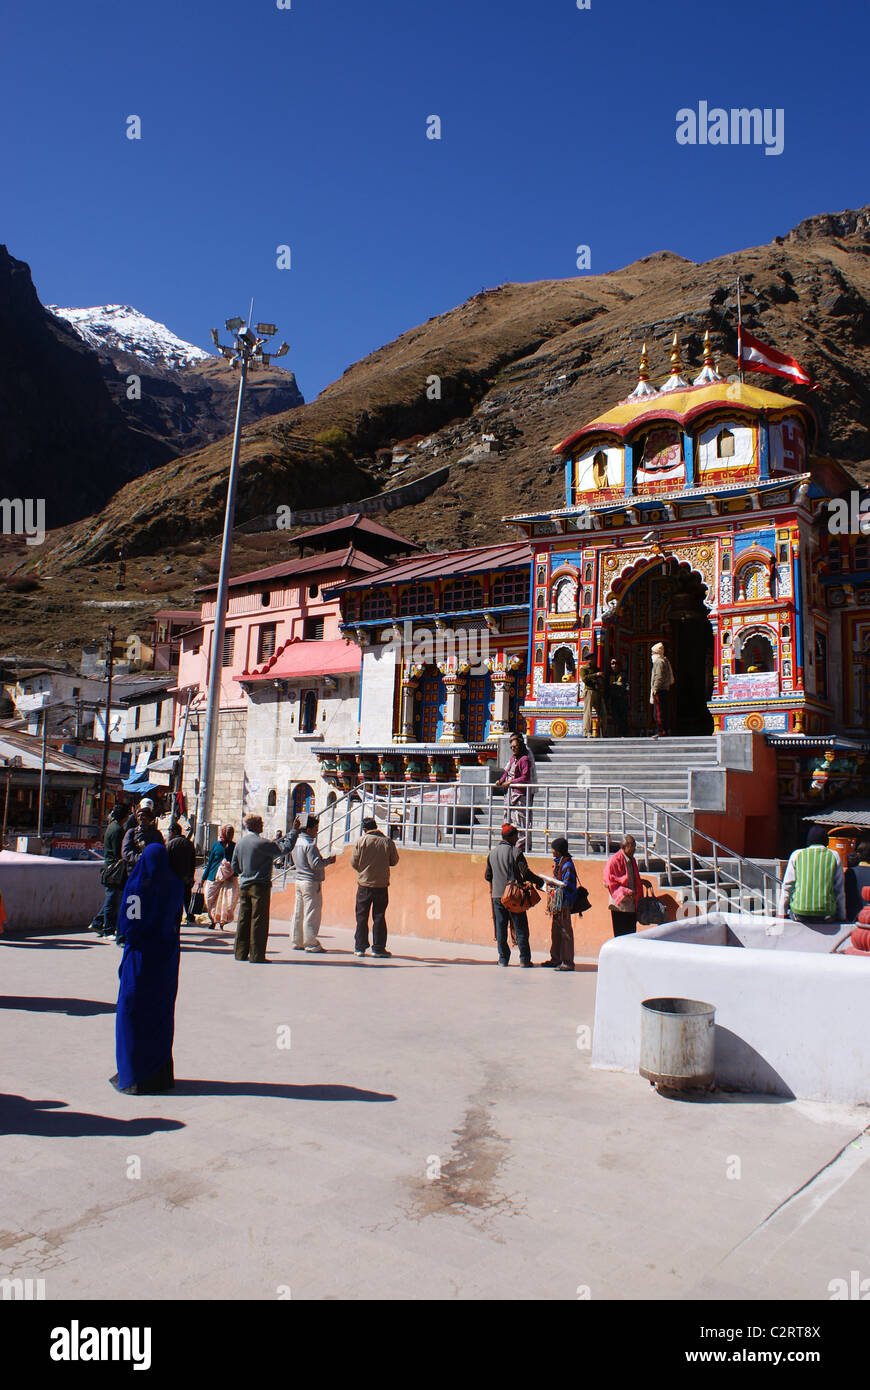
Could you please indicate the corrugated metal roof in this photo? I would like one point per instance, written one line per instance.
(29, 749)
(360, 522)
(347, 558)
(855, 812)
(478, 560)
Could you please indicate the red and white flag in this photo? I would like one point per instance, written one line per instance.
(756, 356)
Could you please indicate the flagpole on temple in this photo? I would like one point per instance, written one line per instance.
(739, 334)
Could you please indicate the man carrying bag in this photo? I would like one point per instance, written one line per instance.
(113, 875)
(511, 882)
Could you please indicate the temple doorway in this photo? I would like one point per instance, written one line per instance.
(665, 604)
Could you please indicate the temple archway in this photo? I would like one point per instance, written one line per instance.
(664, 602)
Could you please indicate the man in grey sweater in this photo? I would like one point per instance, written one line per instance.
(310, 869)
(252, 863)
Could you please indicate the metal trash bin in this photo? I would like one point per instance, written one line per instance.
(677, 1043)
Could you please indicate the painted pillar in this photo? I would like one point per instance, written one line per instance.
(409, 691)
(454, 684)
(629, 470)
(689, 457)
(763, 449)
(569, 480)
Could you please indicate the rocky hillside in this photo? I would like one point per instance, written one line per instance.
(517, 367)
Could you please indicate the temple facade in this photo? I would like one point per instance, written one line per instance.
(697, 515)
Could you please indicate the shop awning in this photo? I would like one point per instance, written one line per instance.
(300, 660)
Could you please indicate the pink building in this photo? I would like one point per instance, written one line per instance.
(289, 678)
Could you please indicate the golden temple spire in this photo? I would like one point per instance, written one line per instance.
(643, 387)
(676, 381)
(709, 372)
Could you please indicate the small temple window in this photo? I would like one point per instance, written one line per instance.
(754, 582)
(757, 654)
(786, 632)
(862, 557)
(562, 665)
(542, 575)
(272, 799)
(725, 445)
(599, 469)
(835, 557)
(587, 573)
(564, 595)
(308, 717)
(726, 561)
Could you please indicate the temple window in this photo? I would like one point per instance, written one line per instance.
(725, 445)
(563, 598)
(726, 561)
(416, 598)
(462, 594)
(757, 654)
(377, 604)
(754, 581)
(862, 556)
(562, 665)
(587, 573)
(510, 588)
(599, 469)
(835, 557)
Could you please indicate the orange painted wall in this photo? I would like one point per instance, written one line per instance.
(750, 823)
(446, 897)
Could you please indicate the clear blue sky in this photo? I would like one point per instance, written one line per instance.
(307, 127)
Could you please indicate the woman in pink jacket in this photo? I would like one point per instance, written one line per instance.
(623, 882)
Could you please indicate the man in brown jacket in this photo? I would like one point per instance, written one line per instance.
(372, 857)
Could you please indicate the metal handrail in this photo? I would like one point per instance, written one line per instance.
(461, 817)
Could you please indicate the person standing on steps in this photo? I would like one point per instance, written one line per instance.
(593, 695)
(518, 778)
(617, 698)
(253, 859)
(624, 884)
(661, 684)
(372, 857)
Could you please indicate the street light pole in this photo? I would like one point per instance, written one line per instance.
(42, 767)
(248, 353)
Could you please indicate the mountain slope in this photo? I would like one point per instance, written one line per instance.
(521, 364)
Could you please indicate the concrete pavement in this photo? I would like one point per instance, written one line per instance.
(423, 1127)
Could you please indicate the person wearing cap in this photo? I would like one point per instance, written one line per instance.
(143, 833)
(373, 855)
(506, 864)
(661, 682)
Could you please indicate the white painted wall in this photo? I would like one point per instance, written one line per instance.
(615, 468)
(790, 1017)
(744, 446)
(379, 676)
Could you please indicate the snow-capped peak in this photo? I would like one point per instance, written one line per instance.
(124, 329)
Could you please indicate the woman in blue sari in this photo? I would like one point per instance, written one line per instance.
(145, 1018)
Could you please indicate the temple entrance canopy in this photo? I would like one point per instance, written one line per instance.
(664, 602)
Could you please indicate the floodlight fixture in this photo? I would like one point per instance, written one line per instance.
(214, 337)
(228, 353)
(234, 324)
(282, 350)
(267, 330)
